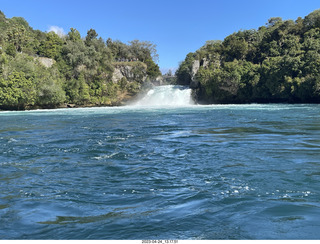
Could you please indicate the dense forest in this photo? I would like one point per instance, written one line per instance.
(279, 62)
(47, 70)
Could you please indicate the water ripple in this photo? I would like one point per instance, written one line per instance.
(201, 172)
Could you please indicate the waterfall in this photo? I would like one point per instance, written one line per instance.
(167, 96)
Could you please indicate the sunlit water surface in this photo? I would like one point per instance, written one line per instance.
(194, 172)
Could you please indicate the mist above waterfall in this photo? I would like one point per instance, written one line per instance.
(164, 96)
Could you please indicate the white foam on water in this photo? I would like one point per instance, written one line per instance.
(166, 96)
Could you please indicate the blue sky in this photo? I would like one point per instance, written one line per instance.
(177, 27)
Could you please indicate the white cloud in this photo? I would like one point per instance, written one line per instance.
(58, 30)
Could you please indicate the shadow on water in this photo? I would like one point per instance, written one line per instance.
(83, 220)
(118, 213)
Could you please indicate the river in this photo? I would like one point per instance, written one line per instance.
(161, 170)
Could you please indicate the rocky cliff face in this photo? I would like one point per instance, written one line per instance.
(190, 73)
(194, 70)
(47, 62)
(132, 71)
(194, 83)
(132, 78)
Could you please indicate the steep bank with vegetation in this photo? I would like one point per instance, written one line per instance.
(45, 70)
(279, 62)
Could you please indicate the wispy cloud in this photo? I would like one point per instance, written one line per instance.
(58, 30)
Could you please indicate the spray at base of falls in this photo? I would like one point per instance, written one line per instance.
(169, 95)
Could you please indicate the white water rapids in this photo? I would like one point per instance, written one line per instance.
(169, 95)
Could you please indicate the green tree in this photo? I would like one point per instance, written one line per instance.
(16, 92)
(235, 48)
(274, 21)
(52, 46)
(17, 35)
(84, 91)
(123, 83)
(143, 50)
(278, 62)
(50, 93)
(82, 67)
(91, 35)
(10, 49)
(153, 69)
(183, 73)
(74, 35)
(312, 20)
(118, 49)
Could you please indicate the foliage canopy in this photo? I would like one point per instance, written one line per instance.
(39, 69)
(279, 62)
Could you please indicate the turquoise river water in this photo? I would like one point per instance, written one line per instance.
(149, 172)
